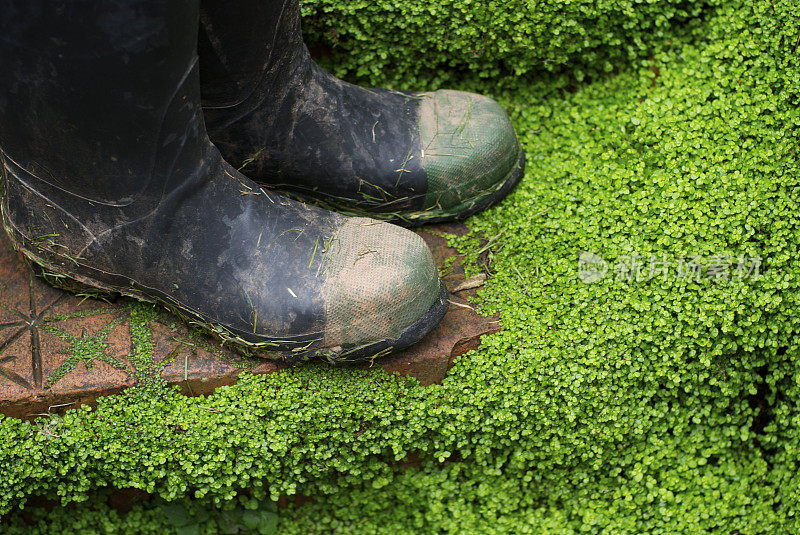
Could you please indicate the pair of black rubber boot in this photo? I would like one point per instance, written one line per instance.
(110, 179)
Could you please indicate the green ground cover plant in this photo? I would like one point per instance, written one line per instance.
(648, 399)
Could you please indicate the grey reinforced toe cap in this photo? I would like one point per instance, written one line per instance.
(381, 279)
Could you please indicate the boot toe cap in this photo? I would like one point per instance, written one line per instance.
(469, 148)
(381, 280)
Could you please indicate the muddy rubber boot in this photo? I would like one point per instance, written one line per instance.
(283, 121)
(110, 181)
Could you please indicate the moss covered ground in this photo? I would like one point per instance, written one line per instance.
(645, 271)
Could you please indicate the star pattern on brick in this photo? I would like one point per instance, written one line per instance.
(11, 375)
(88, 349)
(30, 322)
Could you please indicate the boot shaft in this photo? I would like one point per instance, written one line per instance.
(248, 46)
(100, 100)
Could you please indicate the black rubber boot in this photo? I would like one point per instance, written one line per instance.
(111, 181)
(286, 123)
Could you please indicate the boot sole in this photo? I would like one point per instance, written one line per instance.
(284, 351)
